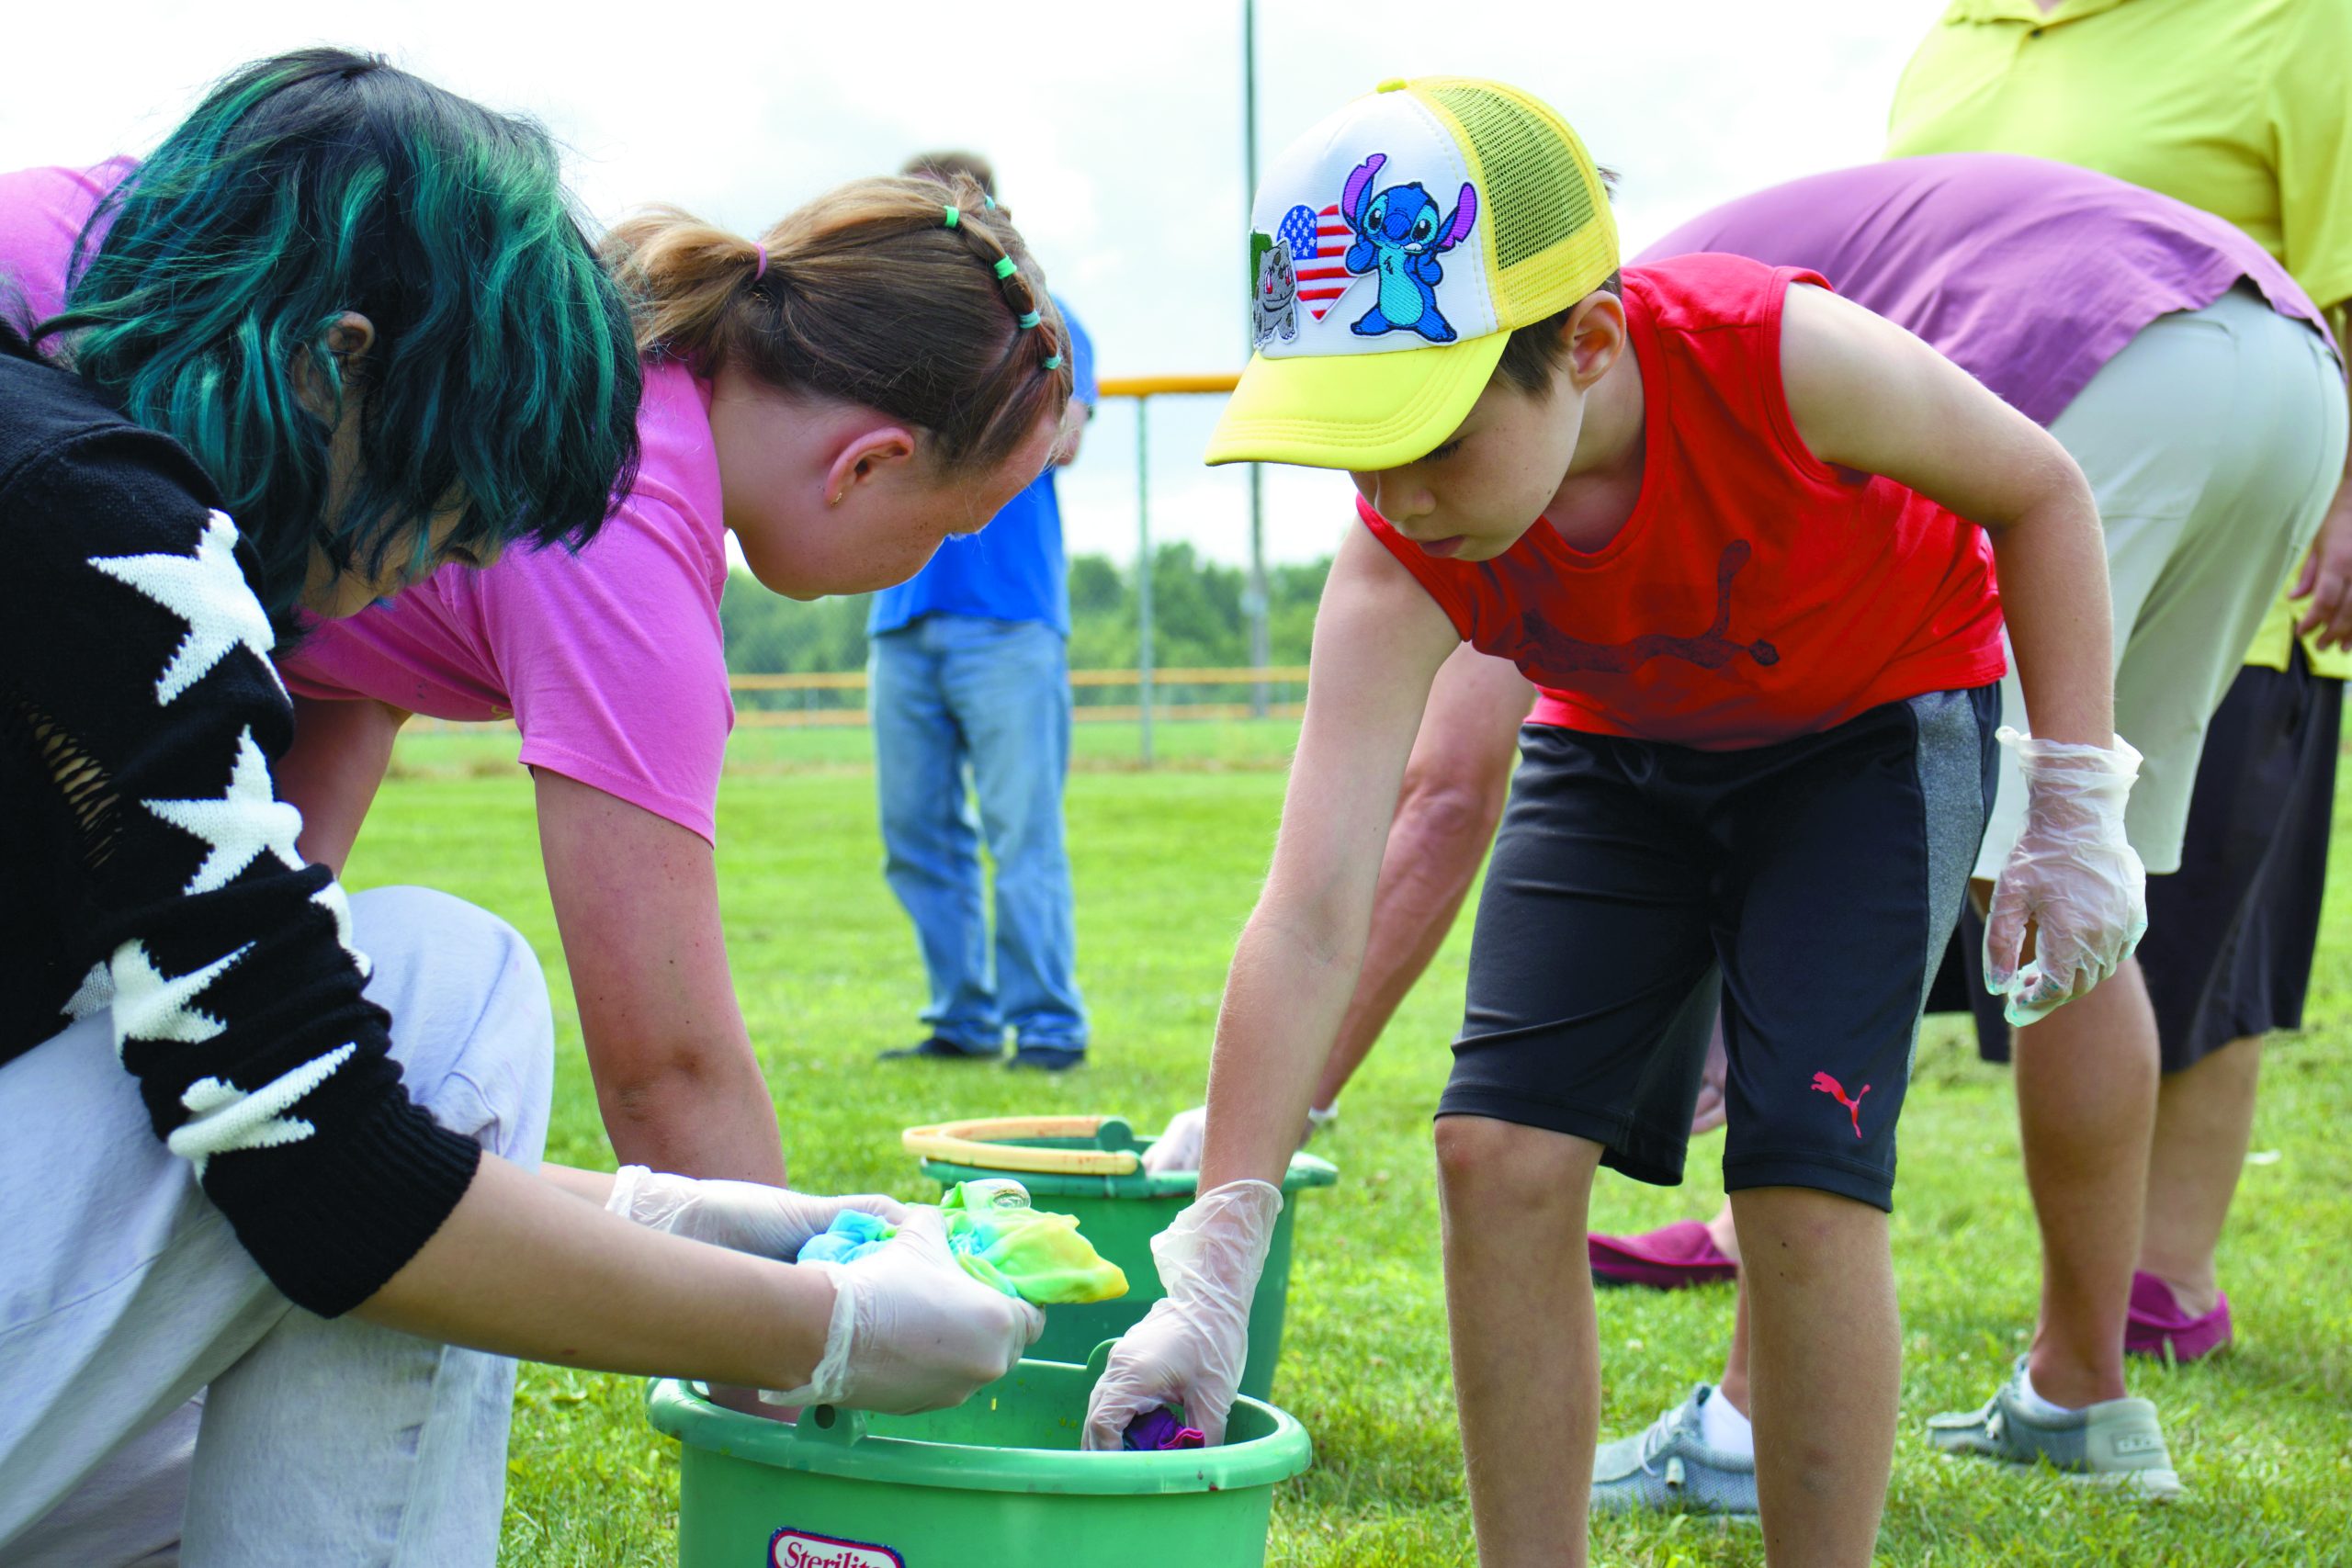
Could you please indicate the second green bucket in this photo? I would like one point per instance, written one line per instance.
(1095, 1173)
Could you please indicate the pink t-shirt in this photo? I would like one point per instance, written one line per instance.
(610, 662)
(42, 214)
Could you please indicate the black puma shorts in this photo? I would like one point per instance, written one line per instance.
(1810, 886)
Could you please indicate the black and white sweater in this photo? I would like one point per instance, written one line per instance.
(147, 865)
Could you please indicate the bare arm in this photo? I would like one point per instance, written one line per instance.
(2326, 577)
(332, 772)
(1454, 788)
(637, 901)
(523, 1268)
(1379, 639)
(1867, 395)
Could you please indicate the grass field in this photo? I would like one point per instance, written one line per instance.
(1167, 865)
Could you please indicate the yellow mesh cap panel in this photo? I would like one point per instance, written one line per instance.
(1552, 238)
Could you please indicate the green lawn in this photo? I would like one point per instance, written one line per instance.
(1166, 864)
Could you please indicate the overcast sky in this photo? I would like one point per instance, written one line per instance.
(1117, 130)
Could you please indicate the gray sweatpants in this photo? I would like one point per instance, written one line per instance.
(164, 1403)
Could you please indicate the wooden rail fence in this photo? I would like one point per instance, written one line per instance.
(752, 718)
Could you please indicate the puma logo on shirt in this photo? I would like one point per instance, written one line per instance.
(1710, 650)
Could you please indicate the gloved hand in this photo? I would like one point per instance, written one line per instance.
(910, 1331)
(2072, 875)
(1189, 1349)
(747, 1216)
(1179, 1145)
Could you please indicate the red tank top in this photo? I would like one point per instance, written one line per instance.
(1755, 593)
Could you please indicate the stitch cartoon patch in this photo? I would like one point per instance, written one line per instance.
(1399, 234)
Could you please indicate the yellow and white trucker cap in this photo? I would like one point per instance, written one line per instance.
(1392, 251)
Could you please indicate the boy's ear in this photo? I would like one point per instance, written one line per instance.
(1594, 335)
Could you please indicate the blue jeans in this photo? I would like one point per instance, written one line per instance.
(955, 692)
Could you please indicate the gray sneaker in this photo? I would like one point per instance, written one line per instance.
(2116, 1442)
(1670, 1467)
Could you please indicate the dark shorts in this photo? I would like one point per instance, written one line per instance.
(1809, 885)
(2231, 935)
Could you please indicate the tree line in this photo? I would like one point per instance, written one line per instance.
(1198, 617)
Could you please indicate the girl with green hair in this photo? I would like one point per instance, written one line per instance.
(268, 1155)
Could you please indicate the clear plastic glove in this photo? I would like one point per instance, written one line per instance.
(1180, 1145)
(1189, 1349)
(747, 1216)
(910, 1331)
(2073, 877)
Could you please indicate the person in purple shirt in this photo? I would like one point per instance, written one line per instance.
(2196, 387)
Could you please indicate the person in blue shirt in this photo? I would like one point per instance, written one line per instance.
(969, 670)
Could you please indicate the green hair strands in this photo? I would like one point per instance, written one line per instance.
(501, 380)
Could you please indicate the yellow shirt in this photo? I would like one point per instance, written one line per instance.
(2242, 107)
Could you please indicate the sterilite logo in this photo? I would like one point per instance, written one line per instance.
(798, 1548)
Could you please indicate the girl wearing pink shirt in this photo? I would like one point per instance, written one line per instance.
(880, 369)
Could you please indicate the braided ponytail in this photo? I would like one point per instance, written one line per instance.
(870, 295)
(1033, 309)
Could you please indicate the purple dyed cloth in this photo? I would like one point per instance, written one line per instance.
(1157, 1431)
(2028, 274)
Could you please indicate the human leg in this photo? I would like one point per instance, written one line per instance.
(2204, 1122)
(1526, 1343)
(392, 1446)
(1817, 1075)
(2228, 958)
(1560, 1065)
(2086, 1103)
(147, 1297)
(2212, 441)
(1008, 684)
(930, 840)
(1826, 1353)
(1455, 783)
(2230, 419)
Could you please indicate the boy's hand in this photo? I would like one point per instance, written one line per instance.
(774, 1222)
(2073, 876)
(1190, 1348)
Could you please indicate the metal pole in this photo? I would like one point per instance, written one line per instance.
(1253, 602)
(1143, 571)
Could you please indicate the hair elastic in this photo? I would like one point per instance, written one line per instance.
(954, 217)
(1053, 362)
(1006, 266)
(762, 270)
(988, 201)
(1029, 319)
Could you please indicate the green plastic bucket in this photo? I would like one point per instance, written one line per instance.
(995, 1483)
(1120, 1207)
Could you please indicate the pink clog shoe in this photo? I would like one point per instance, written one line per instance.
(2155, 1319)
(1669, 1258)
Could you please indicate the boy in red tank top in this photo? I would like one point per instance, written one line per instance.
(1737, 531)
